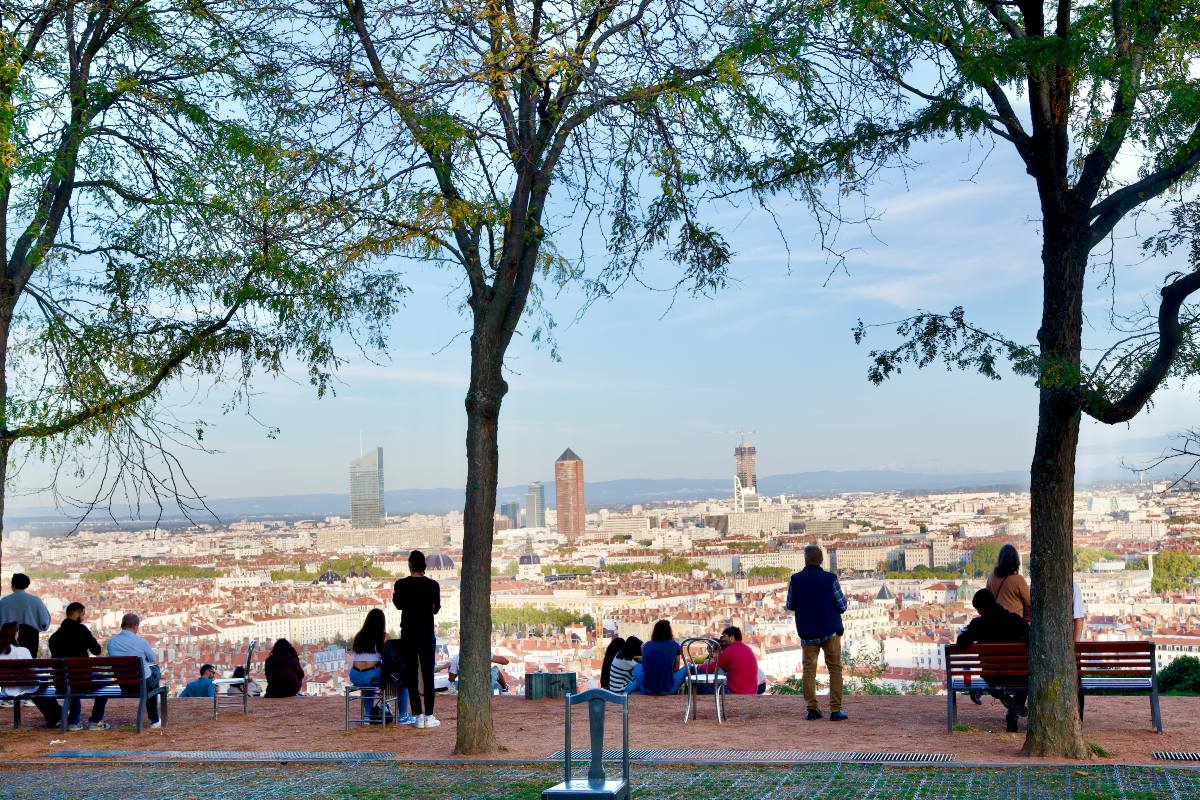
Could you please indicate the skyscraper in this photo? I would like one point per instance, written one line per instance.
(535, 506)
(745, 478)
(511, 512)
(568, 495)
(366, 490)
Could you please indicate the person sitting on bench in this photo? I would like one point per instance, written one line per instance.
(73, 639)
(9, 648)
(128, 643)
(997, 625)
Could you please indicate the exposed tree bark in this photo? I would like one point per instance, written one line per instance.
(6, 312)
(1054, 727)
(475, 732)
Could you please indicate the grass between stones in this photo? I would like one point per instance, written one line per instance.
(81, 781)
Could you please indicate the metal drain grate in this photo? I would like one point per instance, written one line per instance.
(1175, 755)
(763, 756)
(268, 756)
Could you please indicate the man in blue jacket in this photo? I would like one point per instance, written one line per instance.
(817, 600)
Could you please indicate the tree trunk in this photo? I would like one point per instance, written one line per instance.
(1054, 726)
(475, 733)
(6, 314)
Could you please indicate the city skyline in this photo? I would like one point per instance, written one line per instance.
(663, 377)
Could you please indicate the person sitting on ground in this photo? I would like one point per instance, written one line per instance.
(129, 643)
(612, 651)
(1008, 586)
(249, 686)
(28, 611)
(9, 649)
(662, 671)
(73, 639)
(499, 681)
(738, 662)
(620, 675)
(997, 625)
(202, 686)
(816, 598)
(284, 674)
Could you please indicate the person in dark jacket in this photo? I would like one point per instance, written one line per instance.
(284, 674)
(816, 598)
(73, 639)
(419, 598)
(996, 625)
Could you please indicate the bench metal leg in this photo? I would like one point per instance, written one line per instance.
(141, 712)
(1155, 711)
(17, 712)
(162, 708)
(951, 709)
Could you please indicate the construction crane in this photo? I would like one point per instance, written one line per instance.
(741, 432)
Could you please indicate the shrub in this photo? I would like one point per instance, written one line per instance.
(1181, 675)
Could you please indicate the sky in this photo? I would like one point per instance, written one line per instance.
(651, 387)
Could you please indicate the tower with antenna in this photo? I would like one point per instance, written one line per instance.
(745, 475)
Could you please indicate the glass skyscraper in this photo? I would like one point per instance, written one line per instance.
(366, 490)
(535, 506)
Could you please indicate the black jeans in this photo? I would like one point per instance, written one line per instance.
(419, 656)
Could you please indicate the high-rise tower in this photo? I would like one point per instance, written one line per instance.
(535, 506)
(745, 478)
(568, 495)
(366, 490)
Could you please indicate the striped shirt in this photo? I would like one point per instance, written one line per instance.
(620, 674)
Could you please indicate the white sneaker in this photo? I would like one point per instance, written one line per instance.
(76, 727)
(431, 721)
(420, 721)
(99, 726)
(155, 725)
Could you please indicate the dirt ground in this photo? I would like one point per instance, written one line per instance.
(534, 729)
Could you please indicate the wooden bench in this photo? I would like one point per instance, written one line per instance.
(1102, 667)
(111, 677)
(43, 677)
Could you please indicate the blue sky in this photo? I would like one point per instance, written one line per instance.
(650, 389)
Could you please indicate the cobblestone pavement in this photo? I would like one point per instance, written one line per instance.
(80, 781)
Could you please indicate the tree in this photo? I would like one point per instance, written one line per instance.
(1099, 82)
(983, 559)
(1175, 571)
(156, 225)
(492, 126)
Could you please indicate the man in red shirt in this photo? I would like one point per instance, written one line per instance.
(738, 662)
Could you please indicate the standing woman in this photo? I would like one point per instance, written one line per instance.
(614, 649)
(419, 598)
(1007, 584)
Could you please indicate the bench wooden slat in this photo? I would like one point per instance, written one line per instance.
(1100, 667)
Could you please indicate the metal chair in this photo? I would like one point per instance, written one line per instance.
(715, 682)
(597, 785)
(384, 701)
(231, 700)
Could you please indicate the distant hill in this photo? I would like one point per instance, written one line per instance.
(616, 493)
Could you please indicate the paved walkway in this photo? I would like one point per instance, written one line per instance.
(81, 781)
